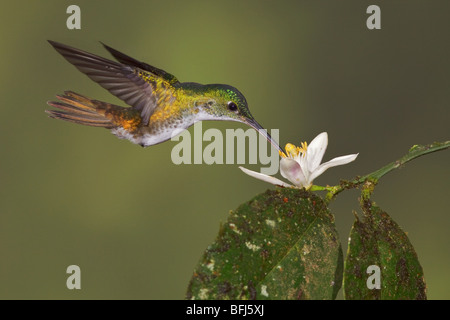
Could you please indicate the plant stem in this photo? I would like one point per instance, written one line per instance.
(371, 179)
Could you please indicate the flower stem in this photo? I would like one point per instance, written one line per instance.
(370, 180)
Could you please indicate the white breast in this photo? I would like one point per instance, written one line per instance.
(167, 132)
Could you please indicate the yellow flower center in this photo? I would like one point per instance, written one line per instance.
(293, 151)
(304, 147)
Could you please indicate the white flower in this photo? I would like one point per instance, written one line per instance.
(301, 165)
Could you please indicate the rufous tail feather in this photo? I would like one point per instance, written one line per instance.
(82, 110)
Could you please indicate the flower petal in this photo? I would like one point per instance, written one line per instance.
(265, 177)
(339, 161)
(316, 150)
(291, 170)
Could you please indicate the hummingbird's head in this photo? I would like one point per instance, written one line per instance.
(224, 102)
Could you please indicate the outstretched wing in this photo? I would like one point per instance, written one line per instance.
(123, 58)
(140, 88)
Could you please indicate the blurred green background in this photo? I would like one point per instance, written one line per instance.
(136, 223)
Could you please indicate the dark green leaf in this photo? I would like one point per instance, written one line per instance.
(280, 245)
(379, 241)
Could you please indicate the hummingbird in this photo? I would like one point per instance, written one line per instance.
(160, 106)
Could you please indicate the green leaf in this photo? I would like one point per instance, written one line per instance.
(282, 244)
(379, 241)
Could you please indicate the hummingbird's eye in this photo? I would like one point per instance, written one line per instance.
(232, 106)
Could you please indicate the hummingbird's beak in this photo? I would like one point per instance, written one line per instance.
(255, 125)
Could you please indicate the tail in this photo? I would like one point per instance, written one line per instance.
(82, 110)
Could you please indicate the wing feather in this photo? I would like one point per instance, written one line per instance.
(129, 83)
